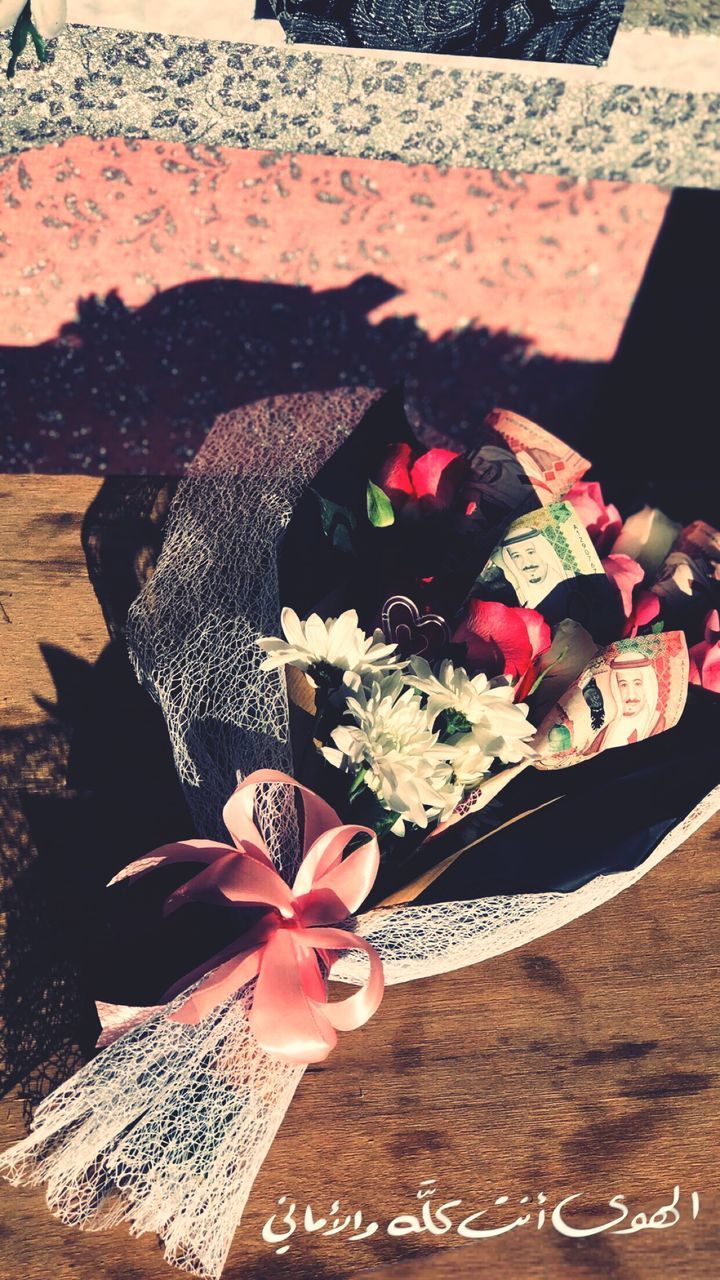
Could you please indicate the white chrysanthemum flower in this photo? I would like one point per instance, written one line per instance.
(337, 642)
(393, 744)
(489, 726)
(475, 753)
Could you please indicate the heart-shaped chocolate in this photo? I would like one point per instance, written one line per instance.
(425, 634)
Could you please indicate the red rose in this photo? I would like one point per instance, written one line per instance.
(431, 479)
(503, 641)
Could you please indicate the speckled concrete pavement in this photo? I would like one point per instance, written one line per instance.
(144, 287)
(646, 120)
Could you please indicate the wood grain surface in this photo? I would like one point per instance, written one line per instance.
(586, 1062)
(41, 572)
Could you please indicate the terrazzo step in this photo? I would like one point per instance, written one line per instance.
(175, 71)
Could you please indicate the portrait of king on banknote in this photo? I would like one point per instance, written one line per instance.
(545, 560)
(630, 691)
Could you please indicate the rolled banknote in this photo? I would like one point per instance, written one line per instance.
(545, 560)
(571, 650)
(632, 690)
(518, 466)
(689, 581)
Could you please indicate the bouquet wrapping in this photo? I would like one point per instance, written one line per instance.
(287, 504)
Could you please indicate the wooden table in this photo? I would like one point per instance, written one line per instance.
(583, 1063)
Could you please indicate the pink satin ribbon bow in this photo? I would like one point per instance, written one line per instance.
(290, 1015)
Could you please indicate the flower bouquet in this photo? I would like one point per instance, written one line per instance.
(454, 701)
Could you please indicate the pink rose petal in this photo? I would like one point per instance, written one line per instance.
(626, 573)
(539, 633)
(602, 520)
(646, 607)
(705, 656)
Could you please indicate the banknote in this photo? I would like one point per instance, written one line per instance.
(540, 553)
(690, 575)
(560, 666)
(632, 690)
(518, 466)
(545, 560)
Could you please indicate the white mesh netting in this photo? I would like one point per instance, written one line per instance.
(167, 1127)
(166, 1130)
(420, 941)
(193, 631)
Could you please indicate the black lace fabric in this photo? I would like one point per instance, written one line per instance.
(542, 30)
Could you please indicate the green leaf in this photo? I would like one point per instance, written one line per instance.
(23, 28)
(18, 40)
(379, 507)
(450, 723)
(338, 523)
(39, 43)
(358, 783)
(656, 628)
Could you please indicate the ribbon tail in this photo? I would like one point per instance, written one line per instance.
(168, 854)
(238, 879)
(288, 1012)
(357, 1009)
(248, 942)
